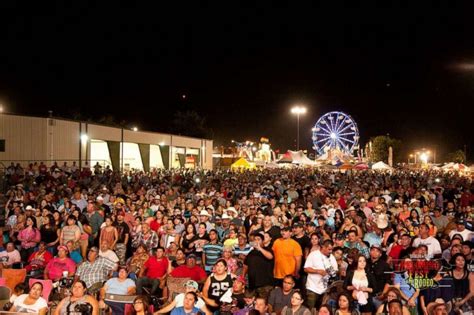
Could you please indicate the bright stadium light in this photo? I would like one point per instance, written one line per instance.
(298, 110)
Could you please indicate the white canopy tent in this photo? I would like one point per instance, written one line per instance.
(296, 157)
(381, 166)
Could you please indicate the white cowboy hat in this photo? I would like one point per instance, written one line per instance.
(225, 216)
(205, 213)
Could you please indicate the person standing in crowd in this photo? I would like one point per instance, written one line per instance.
(258, 265)
(434, 248)
(320, 266)
(288, 256)
(123, 232)
(361, 283)
(281, 296)
(381, 271)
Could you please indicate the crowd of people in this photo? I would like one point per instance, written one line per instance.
(283, 241)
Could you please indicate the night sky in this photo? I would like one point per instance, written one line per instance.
(406, 71)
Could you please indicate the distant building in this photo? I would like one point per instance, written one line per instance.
(26, 139)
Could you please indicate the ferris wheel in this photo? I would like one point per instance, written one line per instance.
(335, 130)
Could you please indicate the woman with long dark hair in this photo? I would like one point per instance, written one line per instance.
(29, 237)
(345, 305)
(360, 282)
(188, 239)
(50, 233)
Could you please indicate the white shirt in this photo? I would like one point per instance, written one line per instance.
(110, 255)
(433, 245)
(35, 308)
(316, 260)
(466, 234)
(179, 299)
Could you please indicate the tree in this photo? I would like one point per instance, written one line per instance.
(457, 156)
(380, 145)
(190, 123)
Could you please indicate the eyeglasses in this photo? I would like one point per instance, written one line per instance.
(138, 302)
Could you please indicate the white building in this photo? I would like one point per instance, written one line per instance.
(25, 139)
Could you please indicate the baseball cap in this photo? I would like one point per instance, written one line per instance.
(122, 213)
(297, 225)
(63, 248)
(286, 228)
(377, 246)
(191, 283)
(241, 279)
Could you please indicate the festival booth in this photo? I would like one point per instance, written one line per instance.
(381, 166)
(296, 157)
(361, 166)
(242, 164)
(456, 167)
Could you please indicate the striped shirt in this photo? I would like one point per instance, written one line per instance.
(212, 253)
(239, 251)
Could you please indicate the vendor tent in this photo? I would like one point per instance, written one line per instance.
(381, 166)
(296, 157)
(361, 166)
(242, 164)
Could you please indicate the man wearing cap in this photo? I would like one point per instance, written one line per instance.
(381, 271)
(288, 256)
(178, 301)
(123, 237)
(461, 229)
(190, 270)
(56, 266)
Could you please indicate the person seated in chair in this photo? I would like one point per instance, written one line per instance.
(106, 252)
(178, 301)
(95, 270)
(9, 256)
(120, 285)
(74, 254)
(38, 260)
(190, 270)
(154, 272)
(56, 266)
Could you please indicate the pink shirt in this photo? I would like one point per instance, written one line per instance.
(56, 267)
(29, 237)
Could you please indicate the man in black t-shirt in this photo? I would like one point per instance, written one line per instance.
(305, 244)
(258, 265)
(123, 237)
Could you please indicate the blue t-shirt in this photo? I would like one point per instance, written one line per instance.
(117, 287)
(76, 256)
(180, 311)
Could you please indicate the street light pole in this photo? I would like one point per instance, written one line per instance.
(298, 110)
(298, 132)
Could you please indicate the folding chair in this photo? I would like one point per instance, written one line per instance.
(5, 294)
(13, 277)
(118, 303)
(175, 286)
